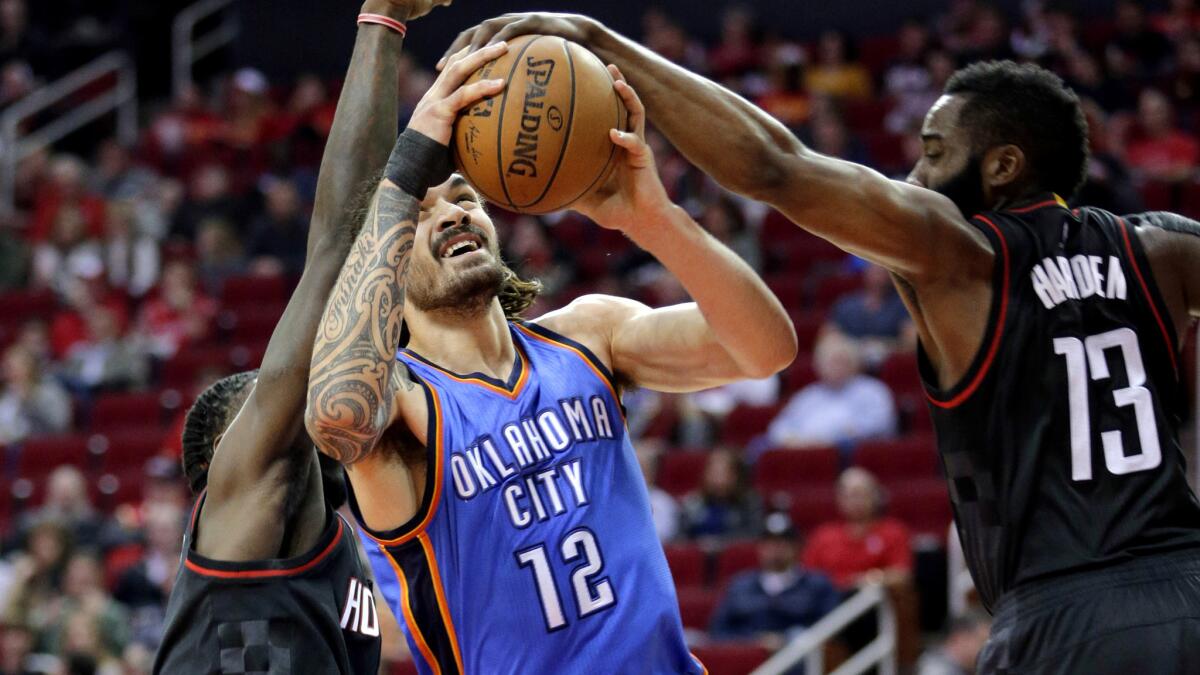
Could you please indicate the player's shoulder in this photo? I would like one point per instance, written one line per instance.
(592, 315)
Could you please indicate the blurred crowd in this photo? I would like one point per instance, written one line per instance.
(132, 276)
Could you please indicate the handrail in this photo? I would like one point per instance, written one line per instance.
(808, 646)
(187, 49)
(15, 146)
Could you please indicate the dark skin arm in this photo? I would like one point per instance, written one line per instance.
(262, 457)
(941, 263)
(1172, 243)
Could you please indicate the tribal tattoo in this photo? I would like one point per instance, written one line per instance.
(354, 372)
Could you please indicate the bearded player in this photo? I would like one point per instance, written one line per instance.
(489, 461)
(1050, 343)
(271, 580)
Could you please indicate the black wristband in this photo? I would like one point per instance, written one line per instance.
(418, 162)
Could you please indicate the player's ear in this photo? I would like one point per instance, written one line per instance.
(1003, 165)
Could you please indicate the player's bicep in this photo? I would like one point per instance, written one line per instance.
(671, 349)
(1172, 243)
(914, 232)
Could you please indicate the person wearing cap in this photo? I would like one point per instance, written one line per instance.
(780, 598)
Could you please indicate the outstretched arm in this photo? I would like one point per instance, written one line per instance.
(735, 329)
(749, 152)
(355, 379)
(258, 448)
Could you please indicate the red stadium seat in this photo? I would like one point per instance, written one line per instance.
(789, 288)
(913, 456)
(18, 306)
(798, 375)
(812, 506)
(121, 411)
(731, 658)
(867, 115)
(784, 470)
(737, 557)
(886, 151)
(679, 471)
(250, 290)
(1158, 196)
(402, 668)
(253, 323)
(745, 422)
(129, 449)
(832, 288)
(687, 562)
(181, 370)
(696, 606)
(41, 455)
(923, 504)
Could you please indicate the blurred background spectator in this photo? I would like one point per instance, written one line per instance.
(957, 653)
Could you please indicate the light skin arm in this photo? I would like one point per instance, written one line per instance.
(735, 329)
(258, 457)
(356, 383)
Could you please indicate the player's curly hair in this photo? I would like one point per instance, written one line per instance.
(517, 294)
(1030, 107)
(206, 420)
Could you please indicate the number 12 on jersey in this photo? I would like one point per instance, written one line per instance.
(590, 596)
(1088, 355)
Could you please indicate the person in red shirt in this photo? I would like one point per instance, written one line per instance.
(1160, 150)
(864, 546)
(179, 315)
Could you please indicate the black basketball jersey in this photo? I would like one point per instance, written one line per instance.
(314, 613)
(1060, 444)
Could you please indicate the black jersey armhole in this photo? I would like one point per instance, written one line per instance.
(428, 503)
(1148, 286)
(993, 332)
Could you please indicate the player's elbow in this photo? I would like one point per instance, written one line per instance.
(773, 180)
(778, 352)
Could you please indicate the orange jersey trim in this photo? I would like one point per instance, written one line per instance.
(522, 363)
(440, 593)
(581, 355)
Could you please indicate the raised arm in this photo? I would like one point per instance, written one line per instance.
(735, 329)
(355, 380)
(749, 152)
(258, 447)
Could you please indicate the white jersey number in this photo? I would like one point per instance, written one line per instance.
(1085, 355)
(591, 596)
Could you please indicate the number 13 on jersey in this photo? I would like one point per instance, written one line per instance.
(1088, 355)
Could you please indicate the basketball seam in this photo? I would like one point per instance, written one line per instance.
(562, 151)
(611, 151)
(500, 124)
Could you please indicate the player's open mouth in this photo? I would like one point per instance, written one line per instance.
(461, 245)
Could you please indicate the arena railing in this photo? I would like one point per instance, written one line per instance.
(809, 647)
(16, 144)
(187, 48)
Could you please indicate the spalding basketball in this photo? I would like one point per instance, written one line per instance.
(542, 143)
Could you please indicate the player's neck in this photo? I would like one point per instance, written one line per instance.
(479, 343)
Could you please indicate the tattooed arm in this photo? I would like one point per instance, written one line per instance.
(355, 379)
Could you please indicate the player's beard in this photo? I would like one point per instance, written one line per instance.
(466, 293)
(965, 188)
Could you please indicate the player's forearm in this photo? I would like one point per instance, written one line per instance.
(738, 144)
(350, 400)
(363, 130)
(745, 316)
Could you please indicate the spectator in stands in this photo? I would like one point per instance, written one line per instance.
(34, 337)
(837, 72)
(663, 506)
(16, 82)
(249, 110)
(844, 406)
(18, 39)
(786, 98)
(775, 602)
(33, 576)
(81, 298)
(911, 101)
(84, 595)
(874, 317)
(865, 546)
(737, 53)
(724, 506)
(131, 259)
(1180, 22)
(712, 406)
(989, 36)
(831, 137)
(68, 504)
(31, 403)
(907, 79)
(218, 254)
(1160, 150)
(1108, 185)
(68, 253)
(1185, 80)
(117, 176)
(145, 586)
(14, 256)
(16, 647)
(956, 655)
(662, 34)
(179, 315)
(106, 359)
(66, 191)
(278, 236)
(209, 197)
(1149, 49)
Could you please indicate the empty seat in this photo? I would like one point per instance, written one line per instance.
(736, 557)
(808, 327)
(254, 323)
(832, 288)
(687, 563)
(41, 455)
(812, 506)
(731, 658)
(696, 606)
(787, 470)
(679, 471)
(913, 456)
(801, 373)
(129, 449)
(180, 372)
(901, 374)
(120, 411)
(923, 504)
(747, 421)
(249, 290)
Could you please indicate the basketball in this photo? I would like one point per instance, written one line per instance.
(541, 143)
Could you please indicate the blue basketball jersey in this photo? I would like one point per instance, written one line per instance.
(534, 549)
